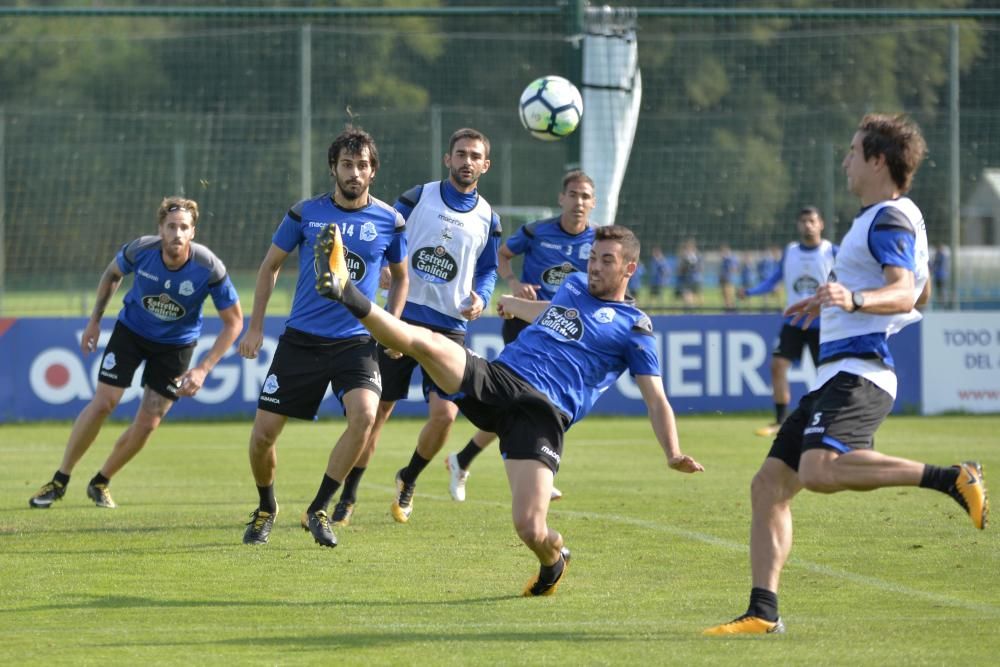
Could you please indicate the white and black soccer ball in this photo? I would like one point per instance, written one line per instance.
(551, 108)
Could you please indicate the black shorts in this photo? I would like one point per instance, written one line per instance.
(496, 399)
(164, 362)
(512, 328)
(792, 340)
(396, 373)
(842, 415)
(305, 365)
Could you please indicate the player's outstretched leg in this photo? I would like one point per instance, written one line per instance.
(331, 263)
(969, 491)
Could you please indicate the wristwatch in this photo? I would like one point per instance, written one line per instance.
(858, 299)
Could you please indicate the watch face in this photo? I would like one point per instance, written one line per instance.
(858, 300)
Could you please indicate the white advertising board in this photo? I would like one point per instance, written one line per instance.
(961, 362)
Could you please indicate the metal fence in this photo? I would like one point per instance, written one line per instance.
(745, 117)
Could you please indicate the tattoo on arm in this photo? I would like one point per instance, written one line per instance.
(109, 284)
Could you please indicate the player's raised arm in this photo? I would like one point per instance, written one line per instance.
(661, 416)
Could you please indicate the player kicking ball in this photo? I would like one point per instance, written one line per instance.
(543, 382)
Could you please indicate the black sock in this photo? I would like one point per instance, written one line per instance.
(350, 492)
(61, 477)
(327, 488)
(355, 301)
(549, 574)
(763, 604)
(780, 412)
(267, 502)
(939, 478)
(413, 469)
(469, 452)
(99, 479)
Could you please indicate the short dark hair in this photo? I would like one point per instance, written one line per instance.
(353, 140)
(809, 211)
(624, 235)
(177, 203)
(899, 140)
(468, 133)
(577, 175)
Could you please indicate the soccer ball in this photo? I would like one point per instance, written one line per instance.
(551, 108)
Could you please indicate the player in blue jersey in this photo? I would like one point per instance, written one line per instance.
(826, 444)
(552, 248)
(544, 381)
(453, 235)
(660, 274)
(804, 266)
(729, 267)
(322, 345)
(689, 274)
(159, 323)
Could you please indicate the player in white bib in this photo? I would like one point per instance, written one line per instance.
(805, 265)
(453, 236)
(826, 444)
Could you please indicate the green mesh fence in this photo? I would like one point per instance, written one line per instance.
(745, 118)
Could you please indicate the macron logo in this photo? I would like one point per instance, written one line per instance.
(551, 454)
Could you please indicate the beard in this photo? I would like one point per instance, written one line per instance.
(351, 190)
(464, 180)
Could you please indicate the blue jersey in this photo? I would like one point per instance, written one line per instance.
(729, 268)
(164, 305)
(371, 233)
(661, 272)
(550, 254)
(579, 346)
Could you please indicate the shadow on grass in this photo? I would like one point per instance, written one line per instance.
(122, 602)
(402, 636)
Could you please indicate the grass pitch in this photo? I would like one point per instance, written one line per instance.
(898, 576)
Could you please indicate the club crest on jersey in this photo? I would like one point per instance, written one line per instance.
(368, 231)
(584, 252)
(162, 307)
(186, 288)
(434, 265)
(806, 285)
(604, 315)
(270, 384)
(565, 322)
(554, 276)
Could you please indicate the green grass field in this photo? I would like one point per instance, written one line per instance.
(894, 577)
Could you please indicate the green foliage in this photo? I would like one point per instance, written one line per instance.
(744, 118)
(897, 576)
